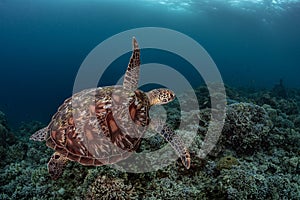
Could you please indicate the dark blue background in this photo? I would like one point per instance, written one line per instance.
(43, 43)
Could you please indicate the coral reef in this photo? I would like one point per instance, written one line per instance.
(279, 90)
(3, 119)
(6, 136)
(111, 188)
(257, 156)
(227, 162)
(246, 128)
(243, 184)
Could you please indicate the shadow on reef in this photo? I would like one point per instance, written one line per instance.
(257, 156)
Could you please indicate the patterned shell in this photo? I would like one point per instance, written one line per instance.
(99, 126)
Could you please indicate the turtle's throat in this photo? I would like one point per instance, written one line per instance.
(153, 98)
(150, 98)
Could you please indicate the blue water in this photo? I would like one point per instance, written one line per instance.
(43, 43)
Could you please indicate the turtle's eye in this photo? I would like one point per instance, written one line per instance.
(171, 96)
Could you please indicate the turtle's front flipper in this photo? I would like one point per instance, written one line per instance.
(175, 141)
(131, 77)
(56, 165)
(40, 135)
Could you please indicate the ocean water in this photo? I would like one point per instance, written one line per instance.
(254, 45)
(43, 43)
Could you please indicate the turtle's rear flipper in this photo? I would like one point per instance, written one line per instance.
(175, 141)
(56, 165)
(40, 135)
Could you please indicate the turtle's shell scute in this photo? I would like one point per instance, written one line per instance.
(99, 126)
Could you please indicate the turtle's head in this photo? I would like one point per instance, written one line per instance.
(160, 96)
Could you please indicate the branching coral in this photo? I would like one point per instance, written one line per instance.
(107, 188)
(239, 183)
(246, 127)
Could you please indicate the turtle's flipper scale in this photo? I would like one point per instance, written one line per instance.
(174, 140)
(40, 135)
(56, 165)
(131, 77)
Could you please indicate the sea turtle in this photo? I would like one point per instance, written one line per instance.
(104, 125)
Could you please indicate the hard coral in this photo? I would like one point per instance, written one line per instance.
(227, 162)
(6, 137)
(3, 135)
(240, 183)
(111, 188)
(3, 119)
(246, 127)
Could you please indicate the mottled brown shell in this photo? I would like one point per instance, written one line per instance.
(99, 126)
